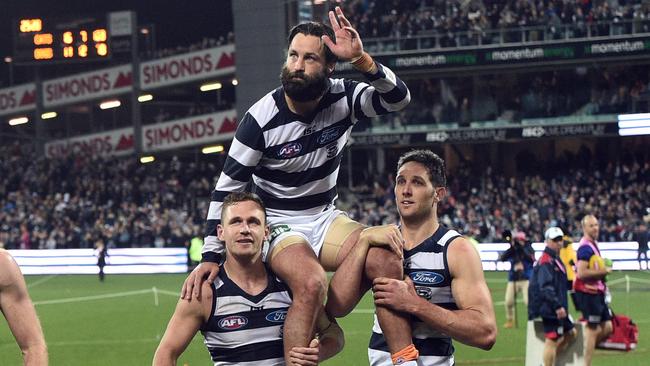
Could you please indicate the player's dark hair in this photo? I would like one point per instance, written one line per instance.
(236, 197)
(316, 29)
(432, 162)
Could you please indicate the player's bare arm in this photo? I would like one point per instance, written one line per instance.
(474, 323)
(185, 323)
(18, 309)
(587, 273)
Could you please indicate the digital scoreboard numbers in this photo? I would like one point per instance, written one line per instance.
(44, 40)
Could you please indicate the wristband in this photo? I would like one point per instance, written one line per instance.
(212, 257)
(364, 63)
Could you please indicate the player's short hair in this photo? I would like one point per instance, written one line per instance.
(236, 197)
(316, 29)
(431, 161)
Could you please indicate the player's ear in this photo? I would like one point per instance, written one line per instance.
(330, 68)
(220, 232)
(439, 193)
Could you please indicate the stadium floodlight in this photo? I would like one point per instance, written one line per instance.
(212, 149)
(49, 115)
(147, 159)
(634, 131)
(110, 104)
(235, 82)
(18, 121)
(145, 98)
(210, 86)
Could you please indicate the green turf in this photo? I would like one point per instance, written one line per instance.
(125, 330)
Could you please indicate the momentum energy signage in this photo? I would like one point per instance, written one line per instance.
(440, 59)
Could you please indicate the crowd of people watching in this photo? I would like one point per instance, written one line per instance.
(204, 43)
(73, 202)
(482, 202)
(511, 97)
(469, 22)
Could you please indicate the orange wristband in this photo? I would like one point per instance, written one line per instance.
(408, 353)
(364, 63)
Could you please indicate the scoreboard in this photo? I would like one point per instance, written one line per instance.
(51, 40)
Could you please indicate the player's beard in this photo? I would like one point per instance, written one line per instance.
(302, 87)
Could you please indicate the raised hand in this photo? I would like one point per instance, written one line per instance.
(348, 44)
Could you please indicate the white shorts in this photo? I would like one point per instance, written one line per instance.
(312, 228)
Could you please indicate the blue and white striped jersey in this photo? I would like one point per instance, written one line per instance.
(294, 160)
(426, 265)
(245, 329)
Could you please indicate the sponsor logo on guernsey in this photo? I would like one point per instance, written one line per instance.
(290, 150)
(328, 135)
(426, 278)
(277, 316)
(233, 322)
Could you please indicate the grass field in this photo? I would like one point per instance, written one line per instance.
(120, 321)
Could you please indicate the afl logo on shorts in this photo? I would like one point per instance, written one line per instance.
(290, 150)
(277, 316)
(233, 322)
(426, 278)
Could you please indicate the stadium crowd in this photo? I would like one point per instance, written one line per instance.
(73, 202)
(512, 97)
(70, 203)
(485, 19)
(483, 203)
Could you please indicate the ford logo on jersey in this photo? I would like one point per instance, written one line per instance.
(277, 316)
(328, 135)
(426, 278)
(233, 322)
(290, 150)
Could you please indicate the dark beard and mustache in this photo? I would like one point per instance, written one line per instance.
(302, 87)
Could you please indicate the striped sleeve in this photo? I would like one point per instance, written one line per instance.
(384, 93)
(244, 155)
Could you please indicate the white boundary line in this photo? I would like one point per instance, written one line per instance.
(38, 282)
(170, 293)
(95, 297)
(91, 342)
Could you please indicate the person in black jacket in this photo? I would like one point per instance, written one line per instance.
(521, 256)
(548, 297)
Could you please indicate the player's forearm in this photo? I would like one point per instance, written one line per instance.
(592, 273)
(331, 344)
(35, 355)
(391, 90)
(164, 357)
(474, 326)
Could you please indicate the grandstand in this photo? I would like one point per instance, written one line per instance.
(527, 101)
